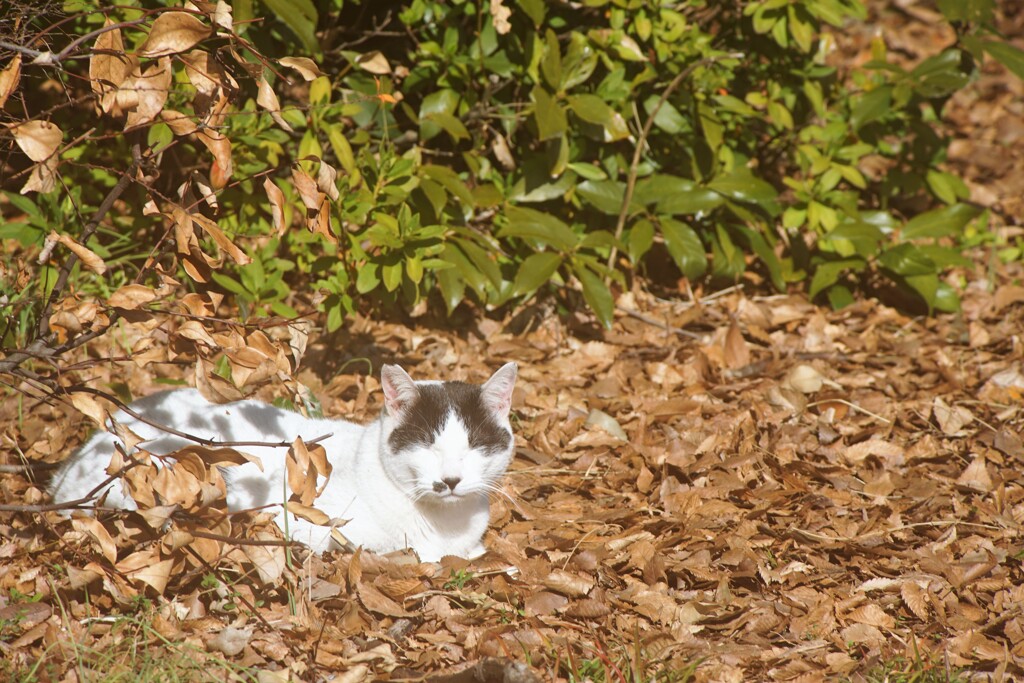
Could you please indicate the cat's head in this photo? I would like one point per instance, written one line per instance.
(444, 441)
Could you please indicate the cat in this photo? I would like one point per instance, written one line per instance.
(418, 477)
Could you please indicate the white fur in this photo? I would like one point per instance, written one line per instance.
(389, 499)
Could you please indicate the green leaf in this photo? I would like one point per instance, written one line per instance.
(856, 230)
(444, 101)
(367, 279)
(342, 149)
(949, 220)
(641, 237)
(449, 124)
(468, 273)
(946, 298)
(728, 261)
(839, 296)
(668, 117)
(391, 276)
(549, 115)
(534, 271)
(300, 16)
(768, 257)
(1010, 56)
(481, 260)
(945, 257)
(674, 195)
(599, 238)
(743, 186)
(551, 64)
(545, 228)
(927, 285)
(596, 293)
(940, 75)
(450, 180)
(907, 260)
(588, 171)
(828, 273)
(871, 106)
(696, 200)
(579, 62)
(453, 287)
(604, 195)
(685, 247)
(593, 109)
(946, 186)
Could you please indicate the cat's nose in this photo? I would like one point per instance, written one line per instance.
(451, 481)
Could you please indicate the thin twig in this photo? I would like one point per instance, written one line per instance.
(658, 323)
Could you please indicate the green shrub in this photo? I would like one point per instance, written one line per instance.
(453, 152)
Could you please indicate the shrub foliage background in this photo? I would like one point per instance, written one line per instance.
(432, 151)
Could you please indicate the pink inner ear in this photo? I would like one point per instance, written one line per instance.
(498, 391)
(398, 387)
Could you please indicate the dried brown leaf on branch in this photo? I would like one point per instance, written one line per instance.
(173, 32)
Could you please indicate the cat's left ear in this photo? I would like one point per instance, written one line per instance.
(497, 391)
(399, 390)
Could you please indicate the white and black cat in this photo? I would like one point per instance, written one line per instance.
(418, 477)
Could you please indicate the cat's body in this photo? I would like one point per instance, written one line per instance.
(417, 477)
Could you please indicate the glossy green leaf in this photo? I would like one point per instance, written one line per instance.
(871, 107)
(444, 101)
(1010, 56)
(685, 247)
(549, 115)
(300, 16)
(727, 261)
(482, 260)
(367, 279)
(640, 240)
(453, 288)
(946, 299)
(764, 251)
(596, 293)
(668, 117)
(925, 284)
(906, 260)
(593, 109)
(940, 75)
(450, 180)
(743, 186)
(946, 186)
(535, 271)
(949, 220)
(537, 225)
(828, 273)
(551, 64)
(449, 124)
(595, 239)
(604, 195)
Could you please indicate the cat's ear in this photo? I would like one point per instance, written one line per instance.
(497, 391)
(399, 390)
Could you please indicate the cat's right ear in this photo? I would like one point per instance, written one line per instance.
(399, 390)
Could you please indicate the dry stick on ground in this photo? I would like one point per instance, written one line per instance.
(627, 198)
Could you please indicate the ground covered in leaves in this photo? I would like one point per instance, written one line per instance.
(742, 488)
(794, 493)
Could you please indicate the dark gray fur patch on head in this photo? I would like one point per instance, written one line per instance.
(426, 417)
